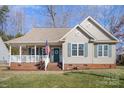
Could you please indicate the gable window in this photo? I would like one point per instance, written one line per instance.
(102, 50)
(80, 50)
(74, 49)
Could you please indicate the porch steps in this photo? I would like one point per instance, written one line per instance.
(4, 66)
(53, 67)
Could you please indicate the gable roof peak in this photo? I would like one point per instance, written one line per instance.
(99, 25)
(89, 17)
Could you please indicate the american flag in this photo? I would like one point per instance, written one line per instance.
(47, 48)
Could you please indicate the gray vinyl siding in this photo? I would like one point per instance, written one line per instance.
(80, 39)
(91, 56)
(95, 30)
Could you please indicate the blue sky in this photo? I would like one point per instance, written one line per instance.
(39, 13)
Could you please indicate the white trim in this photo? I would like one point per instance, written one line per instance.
(89, 17)
(63, 44)
(27, 58)
(20, 53)
(35, 52)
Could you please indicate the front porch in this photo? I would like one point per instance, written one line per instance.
(33, 57)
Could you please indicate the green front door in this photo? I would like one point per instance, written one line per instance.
(56, 54)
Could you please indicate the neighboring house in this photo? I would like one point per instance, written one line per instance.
(87, 45)
(120, 56)
(4, 53)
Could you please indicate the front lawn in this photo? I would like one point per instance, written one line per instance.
(76, 79)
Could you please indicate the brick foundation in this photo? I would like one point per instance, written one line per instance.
(87, 66)
(33, 67)
(24, 66)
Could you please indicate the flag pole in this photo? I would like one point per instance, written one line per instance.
(47, 50)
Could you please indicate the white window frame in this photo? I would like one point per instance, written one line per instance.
(77, 50)
(71, 50)
(102, 50)
(98, 50)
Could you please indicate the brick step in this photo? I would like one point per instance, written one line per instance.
(53, 67)
(4, 66)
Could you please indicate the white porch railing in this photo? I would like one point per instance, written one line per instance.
(31, 58)
(28, 58)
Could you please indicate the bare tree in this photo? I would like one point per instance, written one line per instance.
(55, 19)
(116, 28)
(19, 20)
(52, 14)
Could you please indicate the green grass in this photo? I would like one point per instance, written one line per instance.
(98, 78)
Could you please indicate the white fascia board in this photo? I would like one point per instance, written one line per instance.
(89, 17)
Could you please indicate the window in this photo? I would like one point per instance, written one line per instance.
(81, 51)
(74, 49)
(100, 50)
(77, 49)
(103, 50)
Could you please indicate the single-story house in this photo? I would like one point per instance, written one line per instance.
(87, 45)
(4, 53)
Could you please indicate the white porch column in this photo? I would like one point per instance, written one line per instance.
(63, 49)
(10, 55)
(35, 50)
(20, 53)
